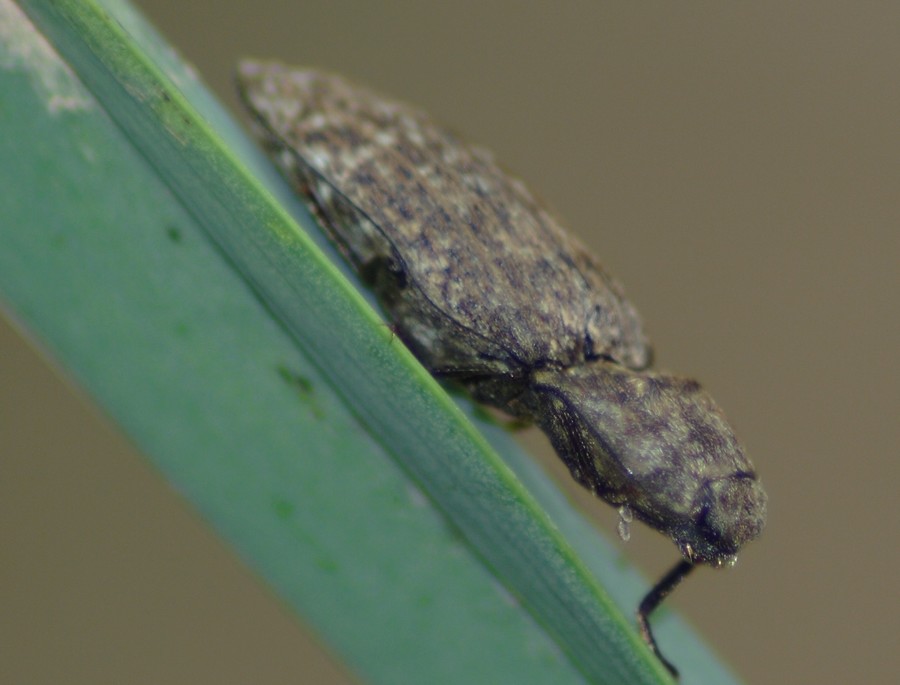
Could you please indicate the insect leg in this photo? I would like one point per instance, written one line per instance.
(653, 599)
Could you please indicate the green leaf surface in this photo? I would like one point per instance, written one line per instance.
(144, 242)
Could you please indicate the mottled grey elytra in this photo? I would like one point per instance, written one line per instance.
(487, 288)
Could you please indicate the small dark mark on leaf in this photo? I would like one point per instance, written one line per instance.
(283, 509)
(304, 389)
(174, 234)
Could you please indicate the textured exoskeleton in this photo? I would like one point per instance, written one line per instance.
(487, 288)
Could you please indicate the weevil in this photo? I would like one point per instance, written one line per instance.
(487, 288)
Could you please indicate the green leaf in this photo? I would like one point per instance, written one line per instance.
(145, 243)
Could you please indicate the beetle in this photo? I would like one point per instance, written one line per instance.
(486, 288)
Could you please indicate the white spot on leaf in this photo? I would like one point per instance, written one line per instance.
(23, 48)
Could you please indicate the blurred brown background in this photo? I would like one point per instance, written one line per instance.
(737, 167)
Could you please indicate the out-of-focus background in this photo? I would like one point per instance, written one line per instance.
(737, 166)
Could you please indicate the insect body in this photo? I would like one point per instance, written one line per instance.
(486, 288)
